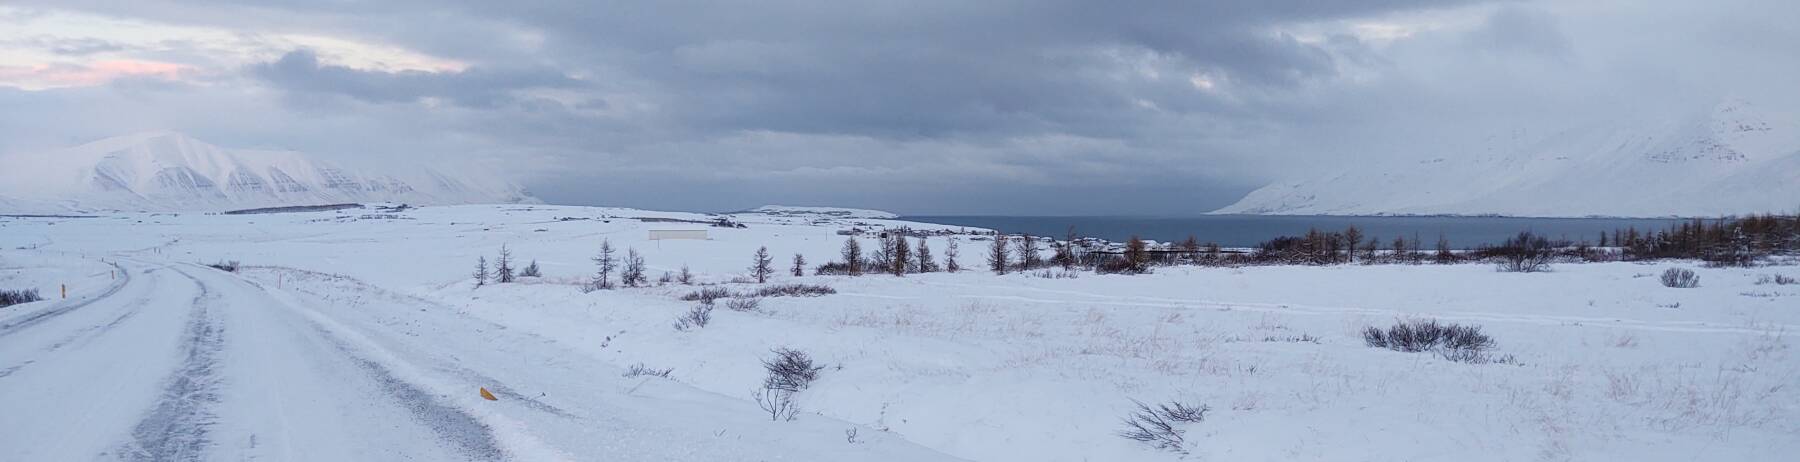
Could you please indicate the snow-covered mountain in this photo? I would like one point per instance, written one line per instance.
(826, 212)
(1731, 160)
(170, 171)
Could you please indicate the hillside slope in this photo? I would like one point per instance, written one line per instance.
(1732, 159)
(170, 171)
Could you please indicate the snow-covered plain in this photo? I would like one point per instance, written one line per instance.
(359, 335)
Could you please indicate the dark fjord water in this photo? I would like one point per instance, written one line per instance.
(1248, 230)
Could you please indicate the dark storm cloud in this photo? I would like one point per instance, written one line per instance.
(1054, 106)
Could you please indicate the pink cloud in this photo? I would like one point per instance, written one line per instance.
(79, 75)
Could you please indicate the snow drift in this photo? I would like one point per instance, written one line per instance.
(170, 171)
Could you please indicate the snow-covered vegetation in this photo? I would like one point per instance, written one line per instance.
(346, 334)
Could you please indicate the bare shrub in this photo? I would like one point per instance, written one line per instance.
(1056, 274)
(1454, 342)
(743, 303)
(1777, 279)
(794, 290)
(707, 295)
(14, 297)
(1302, 338)
(1156, 425)
(531, 271)
(1680, 278)
(226, 266)
(1525, 253)
(790, 369)
(639, 369)
(779, 403)
(695, 318)
(835, 268)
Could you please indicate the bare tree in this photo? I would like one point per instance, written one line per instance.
(605, 262)
(1400, 252)
(503, 270)
(950, 265)
(1065, 251)
(1445, 256)
(633, 275)
(762, 269)
(1415, 254)
(1029, 258)
(531, 271)
(481, 272)
(999, 254)
(1190, 249)
(922, 254)
(1137, 254)
(799, 265)
(900, 256)
(852, 256)
(1353, 238)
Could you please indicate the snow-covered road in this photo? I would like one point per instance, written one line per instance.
(188, 363)
(179, 361)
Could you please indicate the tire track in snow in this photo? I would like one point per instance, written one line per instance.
(80, 335)
(9, 327)
(498, 387)
(177, 427)
(465, 433)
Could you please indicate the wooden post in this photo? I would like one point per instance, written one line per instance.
(65, 290)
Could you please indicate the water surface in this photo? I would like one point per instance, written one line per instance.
(1248, 230)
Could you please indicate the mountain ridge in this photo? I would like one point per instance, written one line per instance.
(168, 171)
(1731, 160)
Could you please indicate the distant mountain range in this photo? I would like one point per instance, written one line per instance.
(1730, 160)
(169, 171)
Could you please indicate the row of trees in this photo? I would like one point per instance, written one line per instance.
(630, 275)
(1721, 242)
(894, 254)
(503, 272)
(1347, 246)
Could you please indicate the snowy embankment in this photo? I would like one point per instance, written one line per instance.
(1605, 362)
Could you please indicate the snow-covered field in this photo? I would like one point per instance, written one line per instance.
(359, 335)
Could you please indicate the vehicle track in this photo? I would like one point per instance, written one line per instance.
(177, 428)
(46, 314)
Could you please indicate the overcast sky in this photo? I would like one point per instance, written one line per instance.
(919, 107)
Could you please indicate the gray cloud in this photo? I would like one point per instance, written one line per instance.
(300, 71)
(952, 106)
(1520, 29)
(70, 46)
